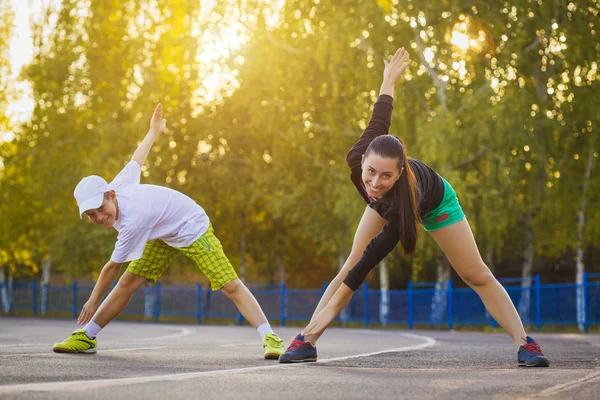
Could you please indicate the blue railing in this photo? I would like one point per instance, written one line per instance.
(423, 303)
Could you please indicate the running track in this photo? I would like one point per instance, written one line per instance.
(157, 361)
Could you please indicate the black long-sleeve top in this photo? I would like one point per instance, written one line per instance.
(430, 194)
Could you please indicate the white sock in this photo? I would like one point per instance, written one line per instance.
(264, 329)
(92, 329)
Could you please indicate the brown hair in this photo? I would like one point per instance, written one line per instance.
(404, 190)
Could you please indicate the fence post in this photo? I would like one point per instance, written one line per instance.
(157, 304)
(282, 295)
(198, 304)
(34, 297)
(75, 289)
(585, 302)
(538, 304)
(366, 291)
(449, 294)
(410, 305)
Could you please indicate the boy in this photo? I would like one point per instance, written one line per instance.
(155, 224)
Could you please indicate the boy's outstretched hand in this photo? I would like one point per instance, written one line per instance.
(157, 123)
(157, 126)
(87, 312)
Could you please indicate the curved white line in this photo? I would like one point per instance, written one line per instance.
(182, 333)
(83, 385)
(428, 343)
(563, 387)
(239, 344)
(52, 354)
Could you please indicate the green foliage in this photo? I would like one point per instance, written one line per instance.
(507, 117)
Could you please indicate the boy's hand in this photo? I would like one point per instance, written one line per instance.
(157, 123)
(87, 312)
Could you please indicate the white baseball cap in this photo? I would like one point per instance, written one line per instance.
(89, 193)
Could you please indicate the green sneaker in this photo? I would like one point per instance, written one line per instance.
(273, 346)
(78, 342)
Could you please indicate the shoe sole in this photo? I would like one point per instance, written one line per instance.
(60, 350)
(297, 361)
(522, 364)
(272, 356)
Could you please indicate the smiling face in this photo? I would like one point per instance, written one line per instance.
(107, 213)
(379, 174)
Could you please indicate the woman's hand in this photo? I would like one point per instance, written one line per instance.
(318, 325)
(393, 70)
(339, 301)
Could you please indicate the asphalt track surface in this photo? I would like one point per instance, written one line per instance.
(161, 361)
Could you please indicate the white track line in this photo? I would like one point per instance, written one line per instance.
(52, 354)
(239, 344)
(83, 385)
(20, 344)
(563, 387)
(428, 343)
(182, 333)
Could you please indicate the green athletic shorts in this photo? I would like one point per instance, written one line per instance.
(447, 213)
(206, 252)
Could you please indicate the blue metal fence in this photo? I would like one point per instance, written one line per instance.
(432, 303)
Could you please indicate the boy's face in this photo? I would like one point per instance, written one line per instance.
(107, 213)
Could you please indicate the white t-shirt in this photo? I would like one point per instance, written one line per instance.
(148, 212)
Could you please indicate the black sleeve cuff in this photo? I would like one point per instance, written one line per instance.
(385, 98)
(356, 276)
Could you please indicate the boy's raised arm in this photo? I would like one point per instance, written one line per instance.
(157, 126)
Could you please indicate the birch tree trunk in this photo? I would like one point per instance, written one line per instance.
(438, 303)
(6, 289)
(384, 284)
(526, 270)
(44, 282)
(149, 301)
(579, 265)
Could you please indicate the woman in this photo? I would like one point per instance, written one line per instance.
(402, 192)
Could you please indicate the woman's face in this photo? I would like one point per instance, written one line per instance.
(379, 174)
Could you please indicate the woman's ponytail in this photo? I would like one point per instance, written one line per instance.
(405, 191)
(406, 199)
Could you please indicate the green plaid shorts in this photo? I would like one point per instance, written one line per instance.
(207, 252)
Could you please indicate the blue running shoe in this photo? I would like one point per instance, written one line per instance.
(299, 351)
(530, 355)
